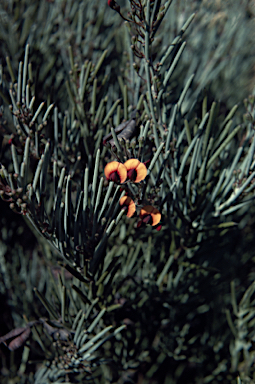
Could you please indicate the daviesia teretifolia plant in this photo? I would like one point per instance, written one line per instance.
(96, 180)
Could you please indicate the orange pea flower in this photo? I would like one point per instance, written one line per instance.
(127, 203)
(136, 171)
(149, 215)
(116, 171)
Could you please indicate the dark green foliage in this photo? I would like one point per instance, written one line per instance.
(107, 298)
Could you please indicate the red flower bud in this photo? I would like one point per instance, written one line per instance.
(115, 6)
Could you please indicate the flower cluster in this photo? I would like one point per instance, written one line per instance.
(148, 214)
(134, 171)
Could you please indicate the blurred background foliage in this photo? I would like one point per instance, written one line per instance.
(197, 323)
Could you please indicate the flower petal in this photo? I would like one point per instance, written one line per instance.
(141, 172)
(145, 210)
(127, 201)
(153, 212)
(140, 168)
(119, 168)
(131, 163)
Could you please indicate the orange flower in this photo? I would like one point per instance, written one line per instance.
(116, 171)
(149, 215)
(128, 204)
(136, 171)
